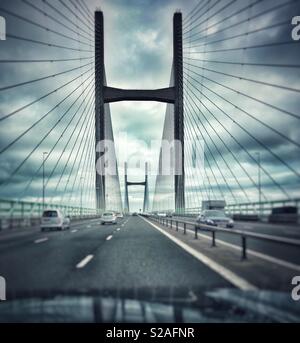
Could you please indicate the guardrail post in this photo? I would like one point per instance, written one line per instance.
(22, 211)
(244, 248)
(176, 225)
(11, 220)
(184, 228)
(213, 244)
(171, 222)
(196, 232)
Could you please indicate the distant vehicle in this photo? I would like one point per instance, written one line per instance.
(54, 220)
(108, 218)
(213, 205)
(162, 214)
(169, 214)
(134, 214)
(215, 218)
(285, 214)
(120, 215)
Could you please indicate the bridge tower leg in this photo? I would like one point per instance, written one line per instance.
(99, 108)
(126, 201)
(146, 193)
(178, 114)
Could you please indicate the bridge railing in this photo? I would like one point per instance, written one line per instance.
(23, 213)
(256, 210)
(244, 236)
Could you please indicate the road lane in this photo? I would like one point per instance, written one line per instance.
(45, 266)
(17, 238)
(137, 257)
(226, 273)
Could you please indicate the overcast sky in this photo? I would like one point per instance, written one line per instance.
(138, 54)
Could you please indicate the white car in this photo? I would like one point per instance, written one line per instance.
(108, 218)
(54, 220)
(120, 215)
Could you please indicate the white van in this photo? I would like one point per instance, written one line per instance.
(54, 220)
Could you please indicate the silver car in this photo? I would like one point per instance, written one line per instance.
(120, 215)
(215, 218)
(108, 218)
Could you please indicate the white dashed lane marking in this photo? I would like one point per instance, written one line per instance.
(84, 262)
(41, 240)
(109, 238)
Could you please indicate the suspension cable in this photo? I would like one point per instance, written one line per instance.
(53, 148)
(42, 118)
(9, 115)
(44, 137)
(52, 76)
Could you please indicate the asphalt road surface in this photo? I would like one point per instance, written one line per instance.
(131, 255)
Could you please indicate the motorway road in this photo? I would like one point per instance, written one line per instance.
(131, 255)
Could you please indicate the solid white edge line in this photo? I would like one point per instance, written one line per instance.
(224, 272)
(255, 253)
(260, 255)
(84, 262)
(41, 240)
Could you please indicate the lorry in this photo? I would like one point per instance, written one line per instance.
(213, 205)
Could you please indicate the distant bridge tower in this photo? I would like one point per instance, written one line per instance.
(144, 184)
(126, 200)
(146, 192)
(171, 95)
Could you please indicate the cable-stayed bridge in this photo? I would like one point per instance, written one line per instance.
(230, 133)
